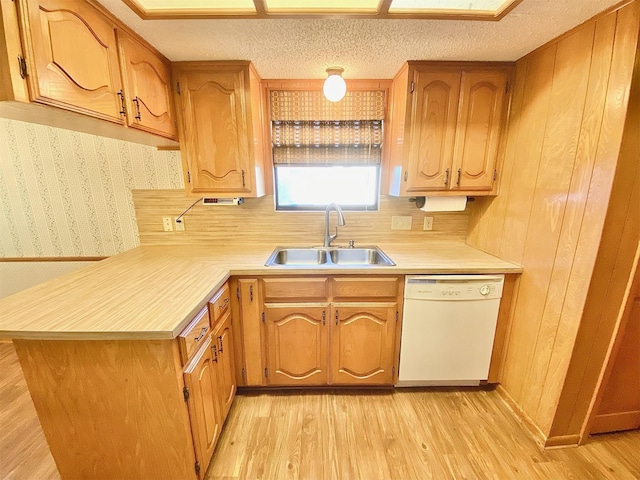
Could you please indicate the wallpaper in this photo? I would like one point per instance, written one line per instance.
(65, 193)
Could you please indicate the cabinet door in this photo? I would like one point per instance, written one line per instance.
(297, 344)
(432, 130)
(481, 114)
(250, 315)
(75, 58)
(147, 86)
(362, 343)
(216, 138)
(201, 379)
(227, 388)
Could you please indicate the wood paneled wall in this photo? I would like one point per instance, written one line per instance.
(567, 119)
(255, 221)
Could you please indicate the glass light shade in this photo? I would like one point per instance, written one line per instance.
(334, 87)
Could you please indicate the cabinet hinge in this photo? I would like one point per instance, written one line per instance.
(393, 370)
(242, 178)
(413, 86)
(189, 177)
(397, 315)
(244, 374)
(507, 87)
(197, 468)
(495, 175)
(406, 174)
(262, 317)
(178, 88)
(238, 293)
(266, 372)
(185, 393)
(22, 65)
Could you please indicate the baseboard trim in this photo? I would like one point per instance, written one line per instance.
(533, 429)
(615, 422)
(562, 441)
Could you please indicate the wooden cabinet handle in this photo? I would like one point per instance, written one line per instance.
(202, 332)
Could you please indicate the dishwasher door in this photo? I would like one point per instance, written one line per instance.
(448, 328)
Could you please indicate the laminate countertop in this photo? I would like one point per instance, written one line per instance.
(153, 292)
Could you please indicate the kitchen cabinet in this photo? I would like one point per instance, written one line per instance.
(321, 330)
(223, 338)
(71, 64)
(297, 344)
(362, 342)
(74, 58)
(446, 128)
(221, 127)
(202, 380)
(248, 321)
(147, 87)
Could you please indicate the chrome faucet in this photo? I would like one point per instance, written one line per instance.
(327, 237)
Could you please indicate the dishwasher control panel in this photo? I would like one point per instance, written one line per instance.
(453, 287)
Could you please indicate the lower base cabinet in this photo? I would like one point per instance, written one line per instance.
(325, 331)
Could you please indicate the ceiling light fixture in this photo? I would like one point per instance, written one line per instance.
(334, 87)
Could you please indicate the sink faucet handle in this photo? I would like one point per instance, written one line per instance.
(351, 243)
(333, 237)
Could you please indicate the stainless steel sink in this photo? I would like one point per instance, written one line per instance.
(334, 257)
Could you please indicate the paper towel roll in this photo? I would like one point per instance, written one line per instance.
(444, 204)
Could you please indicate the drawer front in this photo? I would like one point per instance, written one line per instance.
(365, 288)
(193, 336)
(295, 289)
(220, 304)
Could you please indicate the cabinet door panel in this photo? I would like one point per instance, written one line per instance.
(216, 133)
(224, 339)
(202, 381)
(147, 81)
(75, 58)
(297, 344)
(362, 343)
(250, 308)
(481, 114)
(432, 127)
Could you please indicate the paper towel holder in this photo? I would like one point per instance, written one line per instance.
(420, 201)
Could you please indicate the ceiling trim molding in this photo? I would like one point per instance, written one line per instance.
(262, 13)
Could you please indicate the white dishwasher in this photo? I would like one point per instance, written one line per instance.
(448, 327)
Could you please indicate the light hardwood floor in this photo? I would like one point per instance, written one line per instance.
(429, 434)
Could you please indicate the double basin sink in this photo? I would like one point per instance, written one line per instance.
(347, 257)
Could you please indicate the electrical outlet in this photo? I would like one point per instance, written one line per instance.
(428, 223)
(167, 223)
(179, 225)
(401, 222)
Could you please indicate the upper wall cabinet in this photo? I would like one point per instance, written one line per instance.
(147, 82)
(75, 56)
(220, 123)
(446, 127)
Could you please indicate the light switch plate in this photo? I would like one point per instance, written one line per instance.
(167, 224)
(428, 223)
(180, 227)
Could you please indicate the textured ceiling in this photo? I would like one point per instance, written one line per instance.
(365, 48)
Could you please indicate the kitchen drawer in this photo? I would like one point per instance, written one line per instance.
(192, 336)
(365, 288)
(219, 304)
(295, 288)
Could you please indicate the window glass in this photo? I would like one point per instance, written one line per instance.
(313, 187)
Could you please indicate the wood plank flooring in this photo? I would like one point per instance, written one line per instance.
(429, 434)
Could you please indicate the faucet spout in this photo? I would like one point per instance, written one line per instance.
(328, 238)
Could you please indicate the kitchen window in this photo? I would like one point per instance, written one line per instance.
(326, 152)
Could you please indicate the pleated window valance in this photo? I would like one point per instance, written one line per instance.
(308, 129)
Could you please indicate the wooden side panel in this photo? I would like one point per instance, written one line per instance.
(85, 80)
(111, 409)
(297, 344)
(562, 150)
(483, 102)
(432, 127)
(12, 85)
(226, 388)
(147, 82)
(397, 125)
